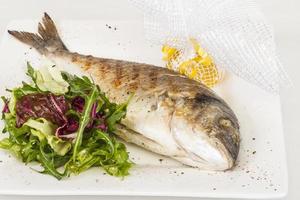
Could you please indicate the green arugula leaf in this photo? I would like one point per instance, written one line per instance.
(31, 72)
(30, 151)
(98, 137)
(84, 119)
(77, 85)
(118, 165)
(17, 93)
(101, 150)
(84, 161)
(116, 116)
(48, 163)
(10, 126)
(118, 113)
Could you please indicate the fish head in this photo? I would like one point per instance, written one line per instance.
(207, 130)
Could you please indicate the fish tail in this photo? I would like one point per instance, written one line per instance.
(45, 41)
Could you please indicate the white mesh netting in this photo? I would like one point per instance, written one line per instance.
(234, 32)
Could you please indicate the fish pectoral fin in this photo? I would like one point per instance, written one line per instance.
(139, 139)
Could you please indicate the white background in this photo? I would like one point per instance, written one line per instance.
(283, 14)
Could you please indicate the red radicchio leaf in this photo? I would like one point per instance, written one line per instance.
(100, 118)
(99, 115)
(90, 125)
(72, 125)
(94, 110)
(67, 129)
(48, 106)
(102, 127)
(78, 104)
(53, 108)
(5, 107)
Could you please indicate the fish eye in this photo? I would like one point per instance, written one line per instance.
(225, 122)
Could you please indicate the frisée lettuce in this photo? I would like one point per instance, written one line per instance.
(64, 123)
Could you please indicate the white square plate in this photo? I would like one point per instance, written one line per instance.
(261, 170)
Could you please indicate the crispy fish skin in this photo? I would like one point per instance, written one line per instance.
(169, 114)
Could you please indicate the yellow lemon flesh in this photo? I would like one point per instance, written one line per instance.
(200, 68)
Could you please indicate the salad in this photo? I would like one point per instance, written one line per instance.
(65, 123)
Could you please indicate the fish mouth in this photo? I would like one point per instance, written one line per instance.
(229, 145)
(220, 159)
(204, 150)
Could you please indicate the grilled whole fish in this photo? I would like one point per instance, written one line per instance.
(169, 114)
